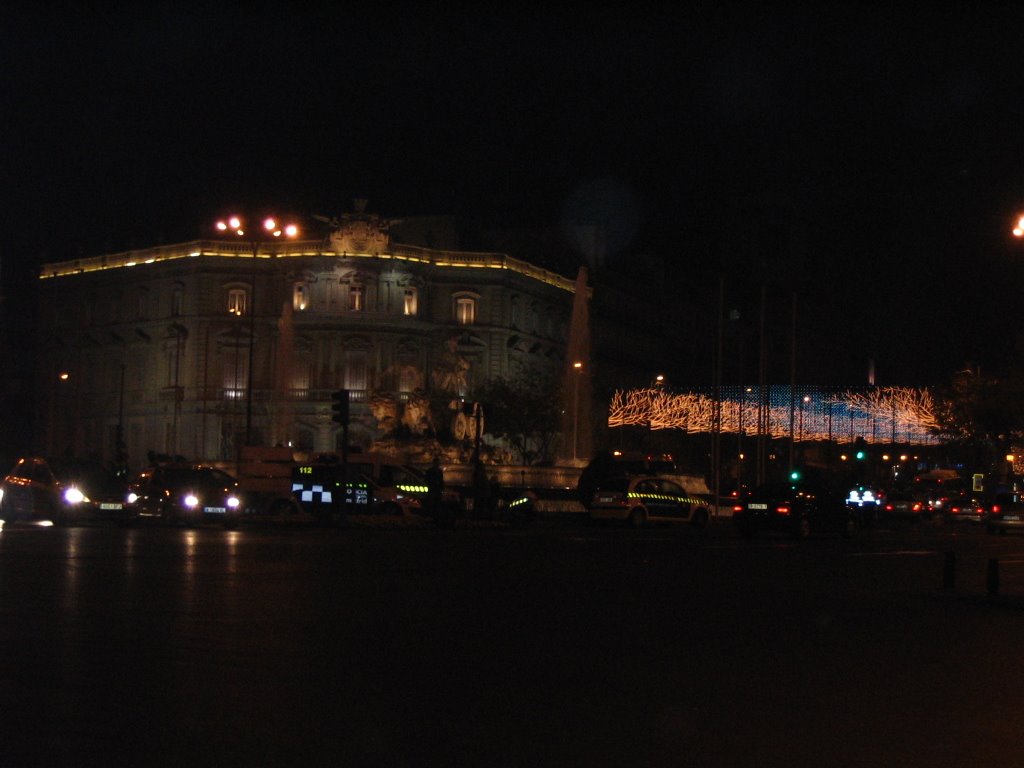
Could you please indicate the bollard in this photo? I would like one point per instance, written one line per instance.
(992, 577)
(949, 571)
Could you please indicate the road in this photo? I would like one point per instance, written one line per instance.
(556, 644)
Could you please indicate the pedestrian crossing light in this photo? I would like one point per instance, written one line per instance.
(339, 407)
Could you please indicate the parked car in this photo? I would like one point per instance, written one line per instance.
(647, 499)
(607, 465)
(795, 508)
(63, 491)
(186, 494)
(1005, 514)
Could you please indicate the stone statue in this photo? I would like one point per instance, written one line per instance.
(451, 374)
(385, 411)
(416, 415)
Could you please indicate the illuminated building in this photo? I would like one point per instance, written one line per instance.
(156, 343)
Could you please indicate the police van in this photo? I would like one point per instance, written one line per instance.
(374, 484)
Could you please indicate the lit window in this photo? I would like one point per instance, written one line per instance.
(409, 378)
(299, 299)
(234, 370)
(236, 301)
(465, 310)
(356, 369)
(355, 298)
(409, 308)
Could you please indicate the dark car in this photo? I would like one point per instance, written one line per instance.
(63, 491)
(1006, 513)
(794, 508)
(938, 493)
(964, 508)
(903, 505)
(642, 500)
(186, 494)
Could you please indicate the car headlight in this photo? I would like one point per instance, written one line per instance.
(233, 501)
(191, 500)
(74, 496)
(132, 498)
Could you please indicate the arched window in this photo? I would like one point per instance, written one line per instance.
(234, 359)
(356, 358)
(464, 307)
(356, 368)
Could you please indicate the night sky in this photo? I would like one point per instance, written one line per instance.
(869, 161)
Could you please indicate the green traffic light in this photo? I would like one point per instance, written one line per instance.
(860, 454)
(794, 475)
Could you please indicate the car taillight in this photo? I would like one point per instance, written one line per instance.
(782, 510)
(916, 507)
(996, 510)
(737, 508)
(889, 507)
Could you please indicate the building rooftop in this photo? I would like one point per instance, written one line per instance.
(289, 249)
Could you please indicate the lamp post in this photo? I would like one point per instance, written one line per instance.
(272, 230)
(578, 368)
(803, 402)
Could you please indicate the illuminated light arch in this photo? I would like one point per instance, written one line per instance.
(877, 414)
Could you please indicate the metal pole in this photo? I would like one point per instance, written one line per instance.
(717, 437)
(177, 389)
(792, 388)
(763, 397)
(575, 412)
(120, 451)
(252, 341)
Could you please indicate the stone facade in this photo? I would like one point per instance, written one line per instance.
(158, 346)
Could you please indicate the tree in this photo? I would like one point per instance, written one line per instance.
(522, 412)
(982, 416)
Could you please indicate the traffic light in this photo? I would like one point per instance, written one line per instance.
(339, 407)
(861, 449)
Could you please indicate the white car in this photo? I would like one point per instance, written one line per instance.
(647, 499)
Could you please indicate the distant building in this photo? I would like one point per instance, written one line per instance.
(197, 348)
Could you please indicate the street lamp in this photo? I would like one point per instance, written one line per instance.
(578, 367)
(271, 230)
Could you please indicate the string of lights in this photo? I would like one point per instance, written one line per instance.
(878, 414)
